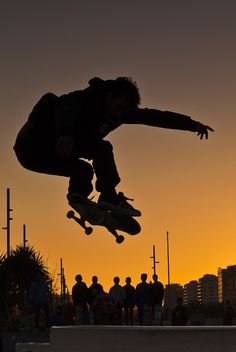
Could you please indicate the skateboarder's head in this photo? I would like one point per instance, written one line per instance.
(121, 95)
(124, 86)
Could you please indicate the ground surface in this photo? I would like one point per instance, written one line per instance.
(11, 338)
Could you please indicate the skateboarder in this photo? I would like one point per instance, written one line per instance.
(63, 131)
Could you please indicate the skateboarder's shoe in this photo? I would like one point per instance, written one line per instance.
(76, 198)
(118, 204)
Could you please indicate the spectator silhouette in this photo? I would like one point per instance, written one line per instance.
(142, 298)
(104, 308)
(129, 302)
(179, 313)
(39, 295)
(156, 298)
(93, 291)
(80, 299)
(117, 294)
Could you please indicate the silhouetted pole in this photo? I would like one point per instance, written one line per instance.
(61, 276)
(62, 282)
(24, 236)
(168, 256)
(8, 222)
(168, 267)
(154, 259)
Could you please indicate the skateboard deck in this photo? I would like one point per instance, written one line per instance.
(96, 216)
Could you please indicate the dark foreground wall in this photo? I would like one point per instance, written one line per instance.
(138, 339)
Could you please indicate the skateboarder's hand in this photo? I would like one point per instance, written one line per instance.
(65, 146)
(202, 130)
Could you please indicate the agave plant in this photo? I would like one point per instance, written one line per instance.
(17, 272)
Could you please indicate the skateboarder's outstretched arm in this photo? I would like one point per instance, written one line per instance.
(166, 119)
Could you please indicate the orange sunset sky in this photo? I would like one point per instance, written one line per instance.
(182, 54)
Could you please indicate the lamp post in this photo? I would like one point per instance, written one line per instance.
(169, 282)
(154, 259)
(7, 228)
(24, 236)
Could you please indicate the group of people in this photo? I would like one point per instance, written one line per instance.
(121, 305)
(95, 306)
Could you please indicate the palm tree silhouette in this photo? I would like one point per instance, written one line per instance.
(16, 274)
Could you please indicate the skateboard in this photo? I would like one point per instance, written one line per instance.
(111, 220)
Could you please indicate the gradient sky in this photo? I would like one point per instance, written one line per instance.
(182, 54)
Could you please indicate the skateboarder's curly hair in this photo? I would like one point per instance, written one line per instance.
(121, 86)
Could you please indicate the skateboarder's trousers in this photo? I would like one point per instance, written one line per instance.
(37, 153)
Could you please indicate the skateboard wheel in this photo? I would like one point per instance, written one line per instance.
(70, 214)
(120, 239)
(88, 230)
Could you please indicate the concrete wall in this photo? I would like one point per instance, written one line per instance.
(141, 339)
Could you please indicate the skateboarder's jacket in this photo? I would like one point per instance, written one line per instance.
(81, 115)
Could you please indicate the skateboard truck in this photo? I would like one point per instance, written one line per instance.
(88, 229)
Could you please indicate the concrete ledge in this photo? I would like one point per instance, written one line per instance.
(143, 339)
(33, 347)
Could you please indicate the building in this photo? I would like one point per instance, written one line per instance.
(208, 289)
(190, 292)
(227, 285)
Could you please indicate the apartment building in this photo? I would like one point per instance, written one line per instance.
(207, 289)
(227, 285)
(190, 292)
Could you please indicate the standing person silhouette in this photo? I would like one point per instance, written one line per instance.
(80, 297)
(39, 294)
(117, 294)
(142, 299)
(94, 289)
(156, 298)
(179, 313)
(129, 302)
(63, 131)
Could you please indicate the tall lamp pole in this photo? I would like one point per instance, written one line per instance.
(62, 282)
(168, 256)
(8, 222)
(24, 236)
(154, 259)
(169, 282)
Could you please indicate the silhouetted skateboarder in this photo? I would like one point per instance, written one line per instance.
(63, 131)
